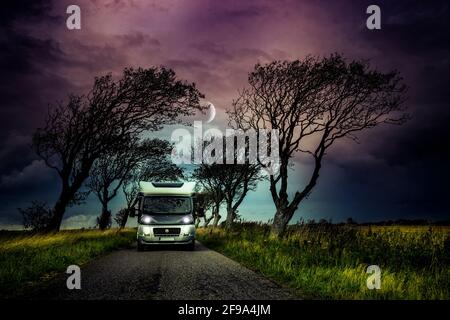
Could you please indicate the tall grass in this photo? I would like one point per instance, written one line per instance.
(326, 261)
(28, 259)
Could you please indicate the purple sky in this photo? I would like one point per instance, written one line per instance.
(395, 172)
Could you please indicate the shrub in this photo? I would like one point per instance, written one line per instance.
(37, 216)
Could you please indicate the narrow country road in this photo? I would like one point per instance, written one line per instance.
(166, 273)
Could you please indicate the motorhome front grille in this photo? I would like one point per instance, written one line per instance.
(166, 231)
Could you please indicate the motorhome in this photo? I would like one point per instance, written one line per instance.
(166, 214)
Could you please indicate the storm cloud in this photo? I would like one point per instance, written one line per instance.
(396, 172)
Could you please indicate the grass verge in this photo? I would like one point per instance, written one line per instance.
(330, 261)
(26, 260)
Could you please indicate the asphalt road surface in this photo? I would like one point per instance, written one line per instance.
(167, 273)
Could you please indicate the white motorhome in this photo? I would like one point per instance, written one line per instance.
(166, 213)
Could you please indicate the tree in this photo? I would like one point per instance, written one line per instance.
(114, 113)
(229, 181)
(121, 217)
(109, 172)
(203, 199)
(313, 103)
(210, 178)
(113, 168)
(105, 223)
(155, 167)
(239, 179)
(37, 216)
(226, 183)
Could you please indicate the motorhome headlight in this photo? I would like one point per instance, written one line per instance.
(188, 219)
(146, 219)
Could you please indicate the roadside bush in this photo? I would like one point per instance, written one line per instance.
(37, 216)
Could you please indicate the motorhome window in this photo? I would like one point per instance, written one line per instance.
(166, 205)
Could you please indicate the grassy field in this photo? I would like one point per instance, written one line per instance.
(27, 260)
(330, 261)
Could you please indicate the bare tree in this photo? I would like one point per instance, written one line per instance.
(121, 217)
(203, 199)
(107, 176)
(210, 178)
(226, 183)
(229, 182)
(84, 129)
(313, 103)
(37, 216)
(113, 168)
(239, 180)
(155, 167)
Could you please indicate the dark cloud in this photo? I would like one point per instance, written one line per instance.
(137, 39)
(424, 141)
(434, 90)
(15, 152)
(414, 27)
(213, 49)
(19, 187)
(28, 10)
(412, 175)
(395, 172)
(27, 85)
(237, 12)
(31, 177)
(26, 62)
(110, 55)
(189, 64)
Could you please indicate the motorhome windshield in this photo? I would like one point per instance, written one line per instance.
(166, 205)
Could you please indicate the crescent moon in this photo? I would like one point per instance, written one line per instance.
(211, 112)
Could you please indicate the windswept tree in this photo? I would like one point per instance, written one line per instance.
(115, 112)
(229, 181)
(203, 200)
(240, 176)
(37, 216)
(313, 103)
(121, 217)
(226, 184)
(239, 180)
(111, 170)
(155, 167)
(210, 179)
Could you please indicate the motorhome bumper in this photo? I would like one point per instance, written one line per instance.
(161, 234)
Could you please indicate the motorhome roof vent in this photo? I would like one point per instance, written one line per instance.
(167, 188)
(167, 184)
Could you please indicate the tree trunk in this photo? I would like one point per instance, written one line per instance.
(207, 221)
(105, 217)
(58, 211)
(280, 221)
(197, 222)
(230, 216)
(67, 194)
(216, 219)
(124, 220)
(286, 210)
(216, 213)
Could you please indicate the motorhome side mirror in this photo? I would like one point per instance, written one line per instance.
(132, 212)
(200, 212)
